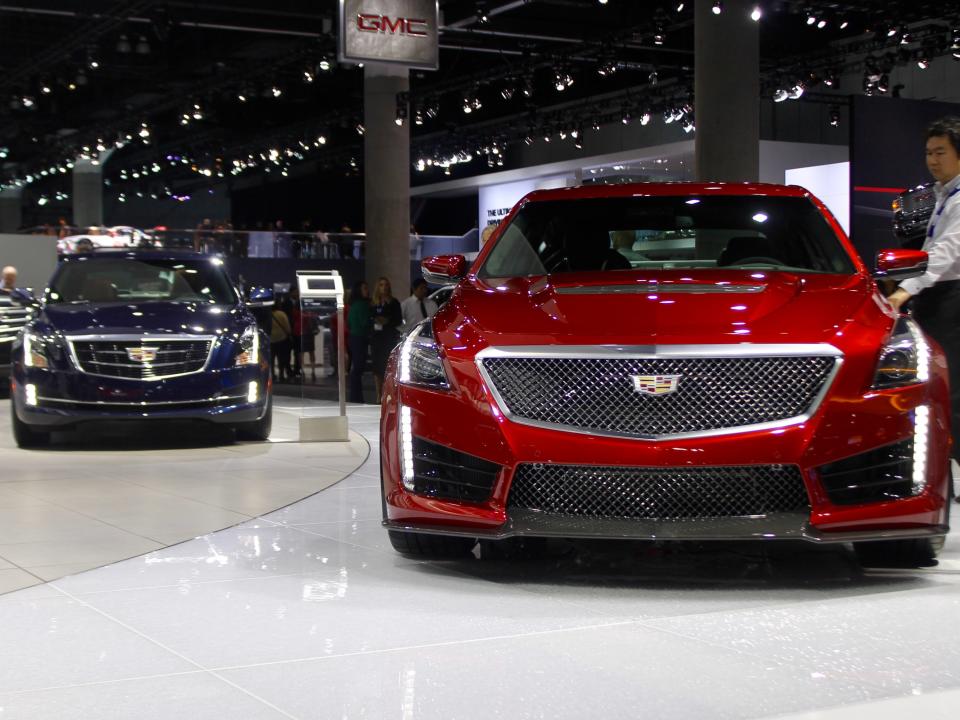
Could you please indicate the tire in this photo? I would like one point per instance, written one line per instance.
(918, 552)
(259, 429)
(25, 435)
(430, 546)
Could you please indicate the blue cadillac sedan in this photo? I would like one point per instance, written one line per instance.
(139, 335)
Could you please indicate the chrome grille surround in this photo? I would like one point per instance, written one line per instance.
(12, 319)
(652, 493)
(106, 355)
(723, 389)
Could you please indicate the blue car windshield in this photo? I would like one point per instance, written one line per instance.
(126, 280)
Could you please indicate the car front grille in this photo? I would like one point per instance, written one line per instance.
(116, 358)
(658, 493)
(12, 320)
(599, 395)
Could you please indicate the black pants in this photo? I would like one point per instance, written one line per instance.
(937, 311)
(358, 354)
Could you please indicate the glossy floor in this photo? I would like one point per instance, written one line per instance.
(307, 613)
(106, 494)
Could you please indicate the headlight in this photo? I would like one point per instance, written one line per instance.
(249, 347)
(420, 362)
(35, 352)
(905, 358)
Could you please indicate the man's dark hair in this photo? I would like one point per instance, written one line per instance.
(417, 283)
(948, 127)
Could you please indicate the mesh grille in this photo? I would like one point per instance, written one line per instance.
(173, 357)
(597, 394)
(658, 493)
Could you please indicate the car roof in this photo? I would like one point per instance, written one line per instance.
(665, 189)
(138, 254)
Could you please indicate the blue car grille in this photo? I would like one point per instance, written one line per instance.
(110, 358)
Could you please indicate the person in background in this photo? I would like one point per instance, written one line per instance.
(935, 295)
(203, 236)
(296, 320)
(387, 319)
(324, 248)
(8, 281)
(359, 324)
(418, 307)
(280, 332)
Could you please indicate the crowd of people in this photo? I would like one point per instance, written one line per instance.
(374, 324)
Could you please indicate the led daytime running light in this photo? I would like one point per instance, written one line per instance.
(921, 435)
(406, 447)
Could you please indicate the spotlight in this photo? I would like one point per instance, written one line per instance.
(307, 76)
(834, 116)
(821, 24)
(883, 84)
(923, 62)
(688, 125)
(658, 36)
(717, 7)
(780, 95)
(324, 64)
(653, 78)
(275, 91)
(46, 89)
(241, 97)
(645, 117)
(756, 14)
(359, 128)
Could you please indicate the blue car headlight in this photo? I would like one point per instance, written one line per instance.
(40, 351)
(248, 347)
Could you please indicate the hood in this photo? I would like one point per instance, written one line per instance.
(667, 307)
(147, 318)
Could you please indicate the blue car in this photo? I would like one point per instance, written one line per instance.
(139, 335)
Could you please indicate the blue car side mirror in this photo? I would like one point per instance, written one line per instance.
(260, 297)
(23, 296)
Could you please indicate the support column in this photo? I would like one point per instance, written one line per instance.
(386, 177)
(727, 92)
(87, 193)
(11, 210)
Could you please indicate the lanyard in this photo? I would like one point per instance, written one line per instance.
(939, 212)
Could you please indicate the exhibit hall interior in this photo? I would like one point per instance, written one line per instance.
(479, 358)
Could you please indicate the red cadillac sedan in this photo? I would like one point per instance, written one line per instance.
(669, 362)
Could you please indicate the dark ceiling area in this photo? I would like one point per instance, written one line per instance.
(193, 92)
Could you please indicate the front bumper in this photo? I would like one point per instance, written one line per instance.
(465, 421)
(67, 398)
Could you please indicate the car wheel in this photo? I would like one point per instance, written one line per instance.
(25, 435)
(260, 429)
(432, 546)
(918, 552)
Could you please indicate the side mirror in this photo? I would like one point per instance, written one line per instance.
(23, 296)
(260, 297)
(443, 269)
(900, 264)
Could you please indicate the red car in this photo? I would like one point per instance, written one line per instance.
(669, 362)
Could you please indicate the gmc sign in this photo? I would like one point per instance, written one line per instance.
(403, 32)
(372, 23)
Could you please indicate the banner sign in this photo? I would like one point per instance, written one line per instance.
(404, 32)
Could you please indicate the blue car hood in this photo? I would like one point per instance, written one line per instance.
(147, 318)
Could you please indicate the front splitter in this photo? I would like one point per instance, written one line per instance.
(776, 526)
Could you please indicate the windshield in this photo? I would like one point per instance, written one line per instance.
(639, 233)
(126, 280)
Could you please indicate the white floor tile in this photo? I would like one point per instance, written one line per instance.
(14, 578)
(52, 642)
(195, 695)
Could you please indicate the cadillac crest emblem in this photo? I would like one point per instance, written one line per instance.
(655, 384)
(142, 354)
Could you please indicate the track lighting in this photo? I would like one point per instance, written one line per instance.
(717, 7)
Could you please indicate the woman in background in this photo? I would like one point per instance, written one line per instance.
(359, 322)
(387, 319)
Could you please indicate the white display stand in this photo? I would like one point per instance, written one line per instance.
(322, 290)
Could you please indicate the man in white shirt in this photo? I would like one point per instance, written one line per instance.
(417, 307)
(935, 295)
